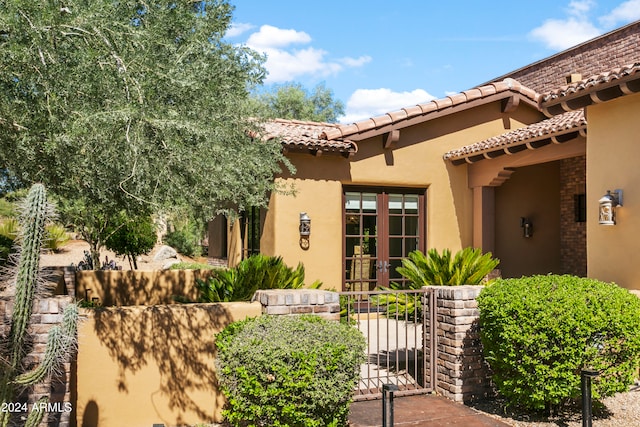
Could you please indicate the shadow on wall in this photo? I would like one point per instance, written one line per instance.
(158, 363)
(135, 287)
(91, 415)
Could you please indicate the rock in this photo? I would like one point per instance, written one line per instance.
(165, 252)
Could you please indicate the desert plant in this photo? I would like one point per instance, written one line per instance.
(56, 236)
(131, 236)
(256, 272)
(185, 237)
(192, 266)
(15, 377)
(288, 371)
(539, 332)
(8, 234)
(468, 266)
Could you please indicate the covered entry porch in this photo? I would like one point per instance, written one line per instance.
(529, 196)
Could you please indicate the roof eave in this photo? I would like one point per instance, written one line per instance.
(436, 114)
(592, 93)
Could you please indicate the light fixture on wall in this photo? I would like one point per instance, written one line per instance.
(305, 230)
(608, 204)
(527, 227)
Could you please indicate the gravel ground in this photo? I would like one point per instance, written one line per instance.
(621, 410)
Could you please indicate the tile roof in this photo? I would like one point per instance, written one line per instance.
(423, 112)
(593, 82)
(303, 136)
(596, 89)
(567, 123)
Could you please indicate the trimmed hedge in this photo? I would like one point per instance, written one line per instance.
(288, 371)
(539, 332)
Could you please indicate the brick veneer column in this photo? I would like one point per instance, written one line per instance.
(47, 312)
(325, 304)
(463, 375)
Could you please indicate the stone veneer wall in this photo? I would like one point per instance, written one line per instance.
(573, 235)
(47, 312)
(325, 304)
(463, 374)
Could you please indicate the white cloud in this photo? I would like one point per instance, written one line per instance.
(626, 12)
(580, 7)
(286, 66)
(562, 34)
(285, 63)
(274, 37)
(356, 62)
(238, 28)
(366, 103)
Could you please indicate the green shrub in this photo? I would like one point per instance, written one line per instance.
(468, 267)
(256, 272)
(289, 371)
(185, 238)
(192, 266)
(539, 332)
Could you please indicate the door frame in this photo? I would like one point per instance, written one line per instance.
(382, 222)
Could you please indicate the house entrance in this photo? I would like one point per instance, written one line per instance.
(380, 229)
(400, 330)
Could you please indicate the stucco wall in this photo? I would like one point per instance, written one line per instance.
(532, 192)
(136, 287)
(415, 161)
(613, 152)
(139, 366)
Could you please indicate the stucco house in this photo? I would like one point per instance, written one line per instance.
(516, 166)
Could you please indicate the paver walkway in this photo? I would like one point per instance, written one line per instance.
(421, 411)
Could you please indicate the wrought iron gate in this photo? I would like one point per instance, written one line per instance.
(400, 329)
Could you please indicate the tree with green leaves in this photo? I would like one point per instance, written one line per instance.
(132, 106)
(131, 237)
(293, 101)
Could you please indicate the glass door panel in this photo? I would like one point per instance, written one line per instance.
(380, 230)
(361, 240)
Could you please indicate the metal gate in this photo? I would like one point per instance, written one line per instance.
(400, 330)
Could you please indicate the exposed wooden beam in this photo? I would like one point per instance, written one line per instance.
(390, 138)
(510, 104)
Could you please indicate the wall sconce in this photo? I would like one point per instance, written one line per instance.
(527, 227)
(608, 203)
(305, 230)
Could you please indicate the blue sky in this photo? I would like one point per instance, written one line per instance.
(378, 56)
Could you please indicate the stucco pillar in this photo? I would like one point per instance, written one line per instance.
(484, 218)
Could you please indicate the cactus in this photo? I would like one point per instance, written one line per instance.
(26, 279)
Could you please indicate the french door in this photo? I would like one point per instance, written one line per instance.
(381, 227)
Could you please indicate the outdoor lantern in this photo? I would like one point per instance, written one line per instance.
(527, 227)
(608, 203)
(305, 230)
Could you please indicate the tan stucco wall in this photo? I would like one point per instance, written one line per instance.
(613, 152)
(136, 287)
(415, 161)
(532, 192)
(139, 366)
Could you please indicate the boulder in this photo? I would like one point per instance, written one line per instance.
(165, 252)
